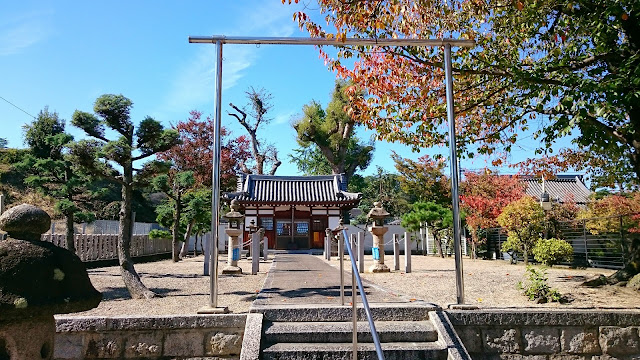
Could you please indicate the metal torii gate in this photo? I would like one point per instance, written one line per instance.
(219, 40)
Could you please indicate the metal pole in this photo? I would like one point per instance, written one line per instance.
(361, 252)
(586, 248)
(354, 308)
(215, 196)
(341, 256)
(455, 197)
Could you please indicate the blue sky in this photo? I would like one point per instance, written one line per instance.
(65, 54)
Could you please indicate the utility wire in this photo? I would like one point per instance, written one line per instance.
(17, 107)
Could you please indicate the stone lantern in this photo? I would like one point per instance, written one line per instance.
(252, 226)
(377, 229)
(233, 231)
(37, 279)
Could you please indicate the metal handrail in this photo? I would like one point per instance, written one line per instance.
(355, 279)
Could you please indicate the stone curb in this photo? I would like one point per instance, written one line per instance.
(547, 317)
(450, 339)
(252, 337)
(389, 312)
(93, 324)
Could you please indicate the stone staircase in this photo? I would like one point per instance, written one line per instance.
(406, 331)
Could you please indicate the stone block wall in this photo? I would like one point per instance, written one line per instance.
(550, 334)
(161, 337)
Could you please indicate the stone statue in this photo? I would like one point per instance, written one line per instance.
(37, 279)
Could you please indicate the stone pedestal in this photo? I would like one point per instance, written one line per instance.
(234, 252)
(378, 249)
(28, 338)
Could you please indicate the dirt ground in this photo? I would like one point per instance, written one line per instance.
(183, 287)
(493, 284)
(487, 284)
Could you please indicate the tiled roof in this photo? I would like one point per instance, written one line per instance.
(294, 190)
(558, 188)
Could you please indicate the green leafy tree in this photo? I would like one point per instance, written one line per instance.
(564, 70)
(437, 218)
(331, 132)
(384, 187)
(98, 154)
(174, 185)
(197, 216)
(423, 180)
(3, 143)
(51, 170)
(524, 221)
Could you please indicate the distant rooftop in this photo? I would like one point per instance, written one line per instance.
(558, 188)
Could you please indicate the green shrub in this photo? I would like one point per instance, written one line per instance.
(552, 251)
(159, 234)
(536, 288)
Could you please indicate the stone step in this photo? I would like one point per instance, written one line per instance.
(337, 332)
(417, 311)
(391, 351)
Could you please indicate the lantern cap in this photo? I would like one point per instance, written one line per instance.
(234, 214)
(377, 212)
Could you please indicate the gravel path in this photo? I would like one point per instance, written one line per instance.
(488, 284)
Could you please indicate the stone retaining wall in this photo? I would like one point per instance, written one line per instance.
(549, 334)
(161, 337)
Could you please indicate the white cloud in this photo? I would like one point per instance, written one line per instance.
(195, 81)
(284, 118)
(22, 32)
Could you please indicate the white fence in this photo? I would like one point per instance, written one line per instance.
(105, 247)
(101, 227)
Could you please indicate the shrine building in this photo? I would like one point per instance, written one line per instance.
(293, 210)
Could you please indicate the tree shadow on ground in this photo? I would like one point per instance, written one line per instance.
(121, 293)
(571, 278)
(331, 291)
(250, 296)
(175, 276)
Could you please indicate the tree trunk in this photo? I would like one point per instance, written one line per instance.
(187, 235)
(438, 242)
(70, 243)
(474, 246)
(130, 277)
(175, 241)
(474, 243)
(525, 254)
(195, 245)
